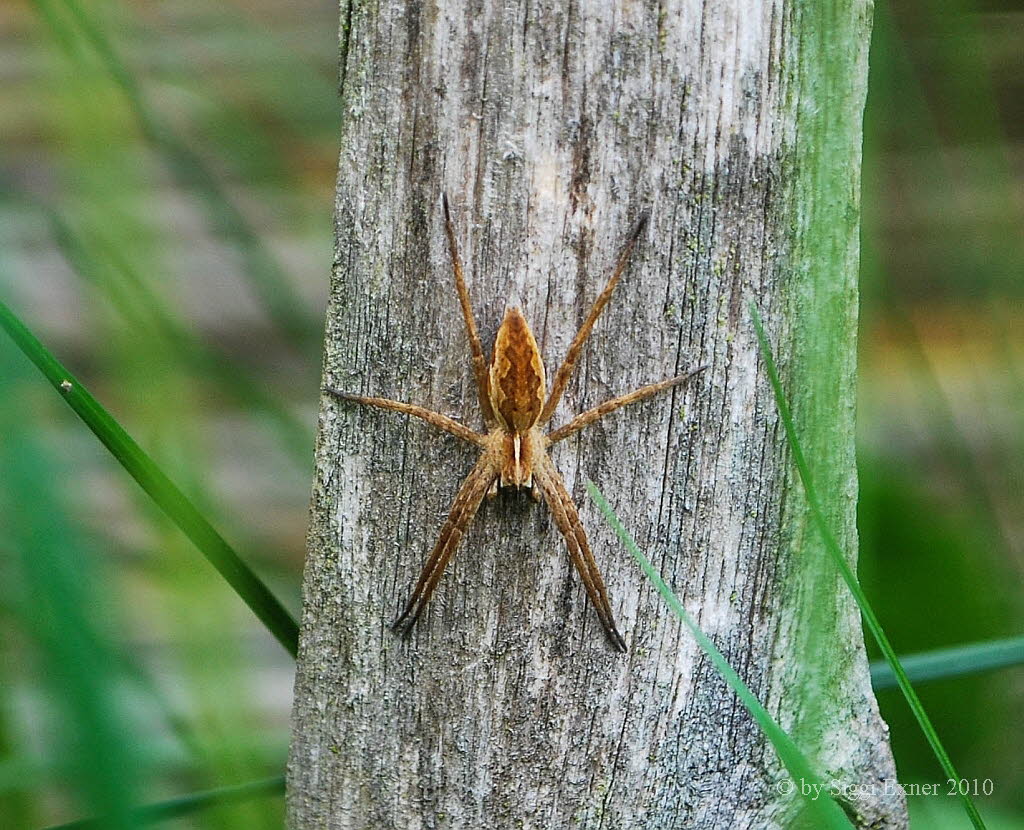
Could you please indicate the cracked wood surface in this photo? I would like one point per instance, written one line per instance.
(551, 128)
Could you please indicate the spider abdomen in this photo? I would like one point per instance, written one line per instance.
(516, 374)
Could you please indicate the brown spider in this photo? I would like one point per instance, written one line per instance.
(513, 451)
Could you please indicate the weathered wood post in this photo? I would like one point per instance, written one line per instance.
(551, 126)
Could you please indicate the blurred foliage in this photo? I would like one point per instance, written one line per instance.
(165, 216)
(941, 444)
(165, 203)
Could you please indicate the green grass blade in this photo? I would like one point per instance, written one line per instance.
(66, 619)
(826, 811)
(870, 620)
(187, 804)
(159, 487)
(956, 661)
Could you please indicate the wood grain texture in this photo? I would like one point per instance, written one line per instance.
(552, 127)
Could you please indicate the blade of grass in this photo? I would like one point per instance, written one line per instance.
(16, 775)
(826, 810)
(870, 620)
(159, 487)
(16, 802)
(65, 599)
(187, 804)
(956, 661)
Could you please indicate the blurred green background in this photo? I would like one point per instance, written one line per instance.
(166, 193)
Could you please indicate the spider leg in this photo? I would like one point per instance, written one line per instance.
(479, 364)
(462, 512)
(598, 412)
(563, 509)
(436, 418)
(565, 370)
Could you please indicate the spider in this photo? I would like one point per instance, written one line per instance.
(514, 449)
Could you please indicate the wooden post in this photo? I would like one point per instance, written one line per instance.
(551, 126)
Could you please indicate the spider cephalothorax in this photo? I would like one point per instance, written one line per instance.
(514, 450)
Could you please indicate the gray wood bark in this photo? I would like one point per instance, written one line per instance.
(551, 126)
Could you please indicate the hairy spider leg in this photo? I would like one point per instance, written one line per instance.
(435, 418)
(563, 509)
(565, 370)
(586, 418)
(463, 509)
(479, 364)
